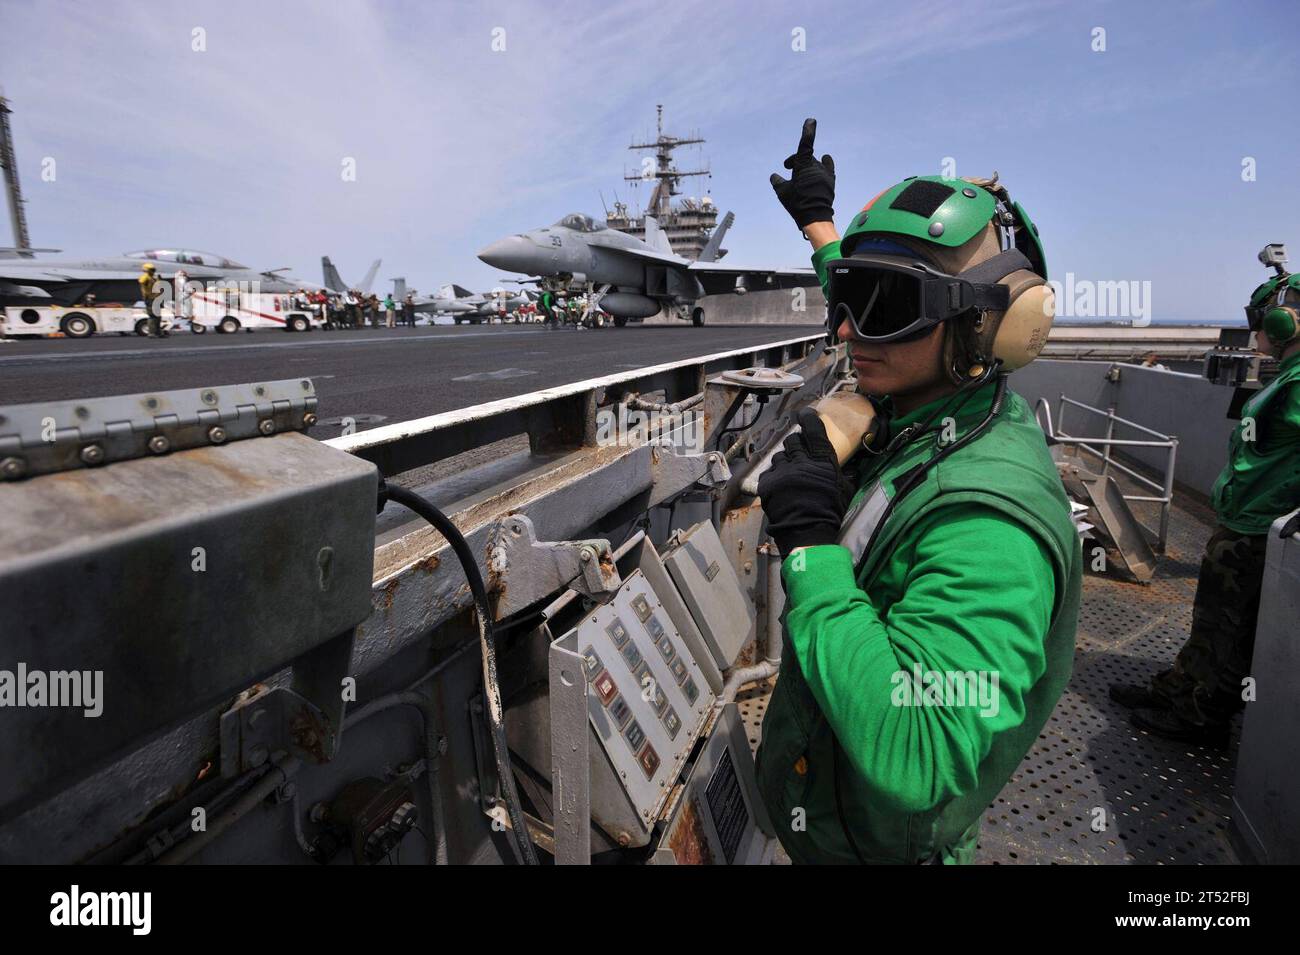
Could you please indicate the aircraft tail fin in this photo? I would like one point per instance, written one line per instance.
(399, 288)
(655, 237)
(459, 292)
(711, 249)
(330, 275)
(369, 280)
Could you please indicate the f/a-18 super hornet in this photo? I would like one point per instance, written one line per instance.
(461, 304)
(629, 278)
(68, 281)
(334, 282)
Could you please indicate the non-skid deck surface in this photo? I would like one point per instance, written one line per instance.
(1094, 788)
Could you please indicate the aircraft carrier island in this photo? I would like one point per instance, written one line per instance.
(912, 530)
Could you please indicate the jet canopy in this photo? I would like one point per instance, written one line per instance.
(186, 257)
(580, 223)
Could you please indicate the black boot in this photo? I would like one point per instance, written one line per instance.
(1137, 697)
(1170, 725)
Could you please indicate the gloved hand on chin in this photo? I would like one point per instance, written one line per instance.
(801, 492)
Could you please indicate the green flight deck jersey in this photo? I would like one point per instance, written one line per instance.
(914, 683)
(1261, 481)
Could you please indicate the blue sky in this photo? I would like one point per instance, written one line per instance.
(1130, 159)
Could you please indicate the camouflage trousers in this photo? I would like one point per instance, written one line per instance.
(1204, 686)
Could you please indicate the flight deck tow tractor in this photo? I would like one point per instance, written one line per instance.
(80, 321)
(223, 310)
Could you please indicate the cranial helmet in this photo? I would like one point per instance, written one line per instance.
(969, 229)
(1274, 306)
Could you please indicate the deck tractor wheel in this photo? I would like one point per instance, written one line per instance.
(228, 325)
(198, 328)
(697, 317)
(142, 327)
(298, 323)
(78, 325)
(620, 321)
(458, 319)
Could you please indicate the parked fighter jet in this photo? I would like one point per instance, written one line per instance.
(69, 281)
(629, 278)
(334, 282)
(451, 300)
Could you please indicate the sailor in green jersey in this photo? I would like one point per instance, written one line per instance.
(931, 611)
(547, 305)
(1195, 698)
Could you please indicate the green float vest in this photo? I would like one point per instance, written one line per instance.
(1261, 481)
(1009, 469)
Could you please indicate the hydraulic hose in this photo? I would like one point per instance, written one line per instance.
(487, 642)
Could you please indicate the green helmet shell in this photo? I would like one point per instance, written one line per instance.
(938, 210)
(946, 212)
(1270, 288)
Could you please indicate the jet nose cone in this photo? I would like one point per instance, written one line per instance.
(513, 253)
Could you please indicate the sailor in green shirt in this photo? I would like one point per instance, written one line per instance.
(546, 305)
(931, 610)
(1194, 699)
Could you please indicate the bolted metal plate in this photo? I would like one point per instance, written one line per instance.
(46, 437)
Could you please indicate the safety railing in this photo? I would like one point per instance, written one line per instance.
(557, 417)
(1165, 487)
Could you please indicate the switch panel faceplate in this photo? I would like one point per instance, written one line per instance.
(648, 696)
(712, 592)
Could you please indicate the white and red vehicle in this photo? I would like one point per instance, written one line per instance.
(229, 310)
(78, 321)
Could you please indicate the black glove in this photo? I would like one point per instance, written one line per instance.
(801, 492)
(809, 194)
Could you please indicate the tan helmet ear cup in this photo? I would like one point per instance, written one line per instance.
(1017, 335)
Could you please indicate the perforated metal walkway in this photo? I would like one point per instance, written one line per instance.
(1151, 801)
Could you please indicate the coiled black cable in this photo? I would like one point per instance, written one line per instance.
(487, 641)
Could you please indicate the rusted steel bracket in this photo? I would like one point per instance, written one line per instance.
(523, 570)
(303, 720)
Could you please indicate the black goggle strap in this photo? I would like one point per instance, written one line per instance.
(985, 278)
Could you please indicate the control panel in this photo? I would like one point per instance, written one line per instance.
(647, 696)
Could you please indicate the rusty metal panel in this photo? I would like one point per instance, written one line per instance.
(719, 817)
(134, 575)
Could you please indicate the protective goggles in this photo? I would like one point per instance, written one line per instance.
(886, 298)
(1255, 313)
